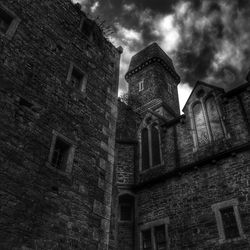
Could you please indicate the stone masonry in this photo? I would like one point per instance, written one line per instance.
(58, 98)
(203, 168)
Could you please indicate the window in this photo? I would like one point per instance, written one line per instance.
(76, 78)
(154, 235)
(146, 240)
(141, 85)
(160, 237)
(126, 207)
(228, 220)
(61, 152)
(229, 223)
(145, 149)
(5, 21)
(207, 124)
(8, 22)
(200, 124)
(170, 91)
(150, 147)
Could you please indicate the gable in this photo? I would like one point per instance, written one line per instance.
(201, 90)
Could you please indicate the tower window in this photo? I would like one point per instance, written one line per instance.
(170, 91)
(77, 78)
(141, 85)
(5, 21)
(61, 152)
(8, 22)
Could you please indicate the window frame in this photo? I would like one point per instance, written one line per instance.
(149, 127)
(129, 203)
(216, 209)
(202, 100)
(141, 85)
(84, 80)
(151, 226)
(13, 24)
(70, 157)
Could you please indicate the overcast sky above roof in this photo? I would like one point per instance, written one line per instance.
(207, 40)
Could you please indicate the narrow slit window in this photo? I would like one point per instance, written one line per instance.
(170, 88)
(60, 154)
(141, 85)
(229, 223)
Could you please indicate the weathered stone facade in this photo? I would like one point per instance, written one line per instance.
(81, 170)
(58, 101)
(204, 165)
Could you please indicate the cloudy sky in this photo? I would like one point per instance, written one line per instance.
(208, 40)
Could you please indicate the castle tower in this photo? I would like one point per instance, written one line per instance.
(153, 82)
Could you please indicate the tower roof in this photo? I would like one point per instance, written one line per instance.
(152, 53)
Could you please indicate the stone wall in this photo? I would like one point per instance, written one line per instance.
(42, 207)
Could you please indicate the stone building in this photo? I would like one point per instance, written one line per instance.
(81, 170)
(58, 101)
(182, 181)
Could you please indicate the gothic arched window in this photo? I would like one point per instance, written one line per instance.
(214, 118)
(150, 147)
(145, 149)
(207, 123)
(155, 142)
(200, 124)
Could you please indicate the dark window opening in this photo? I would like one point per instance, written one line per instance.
(146, 240)
(229, 223)
(156, 155)
(126, 206)
(160, 237)
(87, 29)
(76, 79)
(145, 149)
(5, 21)
(24, 102)
(126, 212)
(60, 154)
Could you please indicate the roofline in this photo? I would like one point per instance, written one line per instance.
(201, 83)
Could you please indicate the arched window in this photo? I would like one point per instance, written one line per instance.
(150, 147)
(155, 141)
(206, 123)
(145, 149)
(200, 124)
(214, 119)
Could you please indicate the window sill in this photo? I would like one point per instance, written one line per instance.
(152, 168)
(225, 241)
(68, 176)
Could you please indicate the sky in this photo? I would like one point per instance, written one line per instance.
(208, 40)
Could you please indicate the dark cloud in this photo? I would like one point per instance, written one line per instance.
(207, 39)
